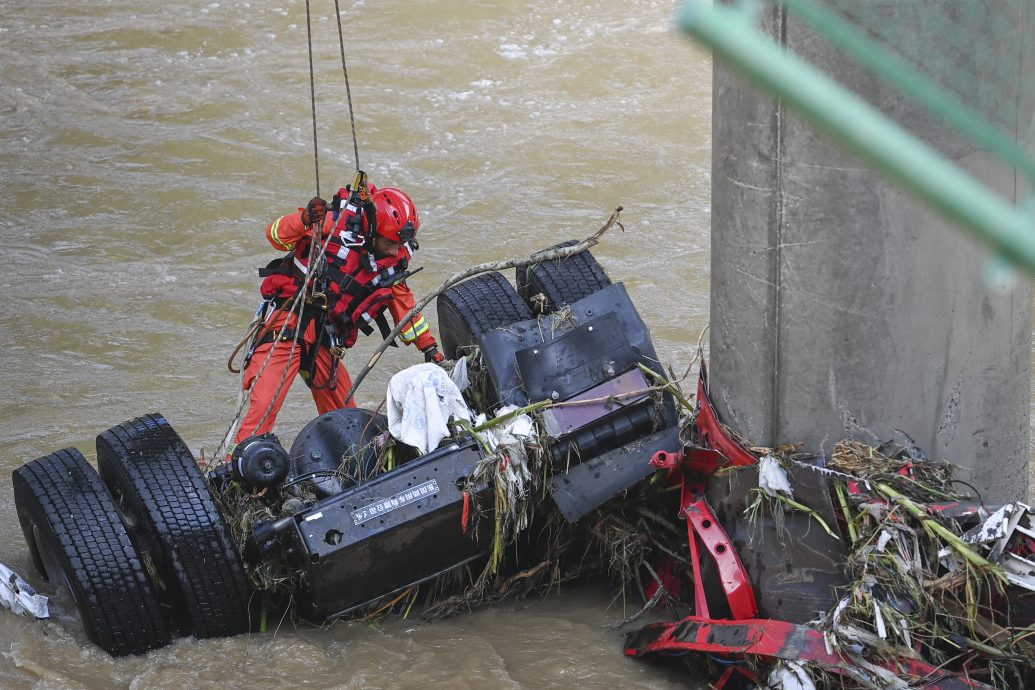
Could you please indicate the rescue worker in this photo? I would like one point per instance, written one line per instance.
(369, 236)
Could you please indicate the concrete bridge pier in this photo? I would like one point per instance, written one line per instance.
(841, 307)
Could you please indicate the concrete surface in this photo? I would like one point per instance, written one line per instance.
(841, 307)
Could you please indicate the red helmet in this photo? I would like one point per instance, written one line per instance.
(397, 217)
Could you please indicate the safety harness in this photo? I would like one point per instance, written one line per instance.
(350, 288)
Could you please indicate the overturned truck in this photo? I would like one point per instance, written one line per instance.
(786, 592)
(148, 543)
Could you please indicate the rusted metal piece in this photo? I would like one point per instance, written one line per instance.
(771, 641)
(609, 397)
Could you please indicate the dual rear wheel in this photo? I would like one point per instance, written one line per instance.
(76, 538)
(471, 309)
(488, 301)
(549, 285)
(141, 545)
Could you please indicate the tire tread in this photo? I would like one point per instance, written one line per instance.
(62, 494)
(561, 281)
(470, 309)
(147, 457)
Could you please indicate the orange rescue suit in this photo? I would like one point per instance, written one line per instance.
(264, 401)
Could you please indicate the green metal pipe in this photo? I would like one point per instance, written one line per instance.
(900, 73)
(862, 129)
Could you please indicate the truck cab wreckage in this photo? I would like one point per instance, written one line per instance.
(348, 521)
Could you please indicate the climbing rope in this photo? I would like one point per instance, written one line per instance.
(312, 89)
(348, 90)
(315, 255)
(312, 93)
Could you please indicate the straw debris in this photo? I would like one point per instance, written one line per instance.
(915, 587)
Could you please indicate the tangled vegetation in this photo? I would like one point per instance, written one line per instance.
(916, 589)
(632, 539)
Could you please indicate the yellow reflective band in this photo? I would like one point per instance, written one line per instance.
(419, 327)
(273, 234)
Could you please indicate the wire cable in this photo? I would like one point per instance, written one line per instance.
(348, 89)
(312, 93)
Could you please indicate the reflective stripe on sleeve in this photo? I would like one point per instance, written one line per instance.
(276, 239)
(417, 328)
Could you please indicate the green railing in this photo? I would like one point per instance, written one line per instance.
(733, 36)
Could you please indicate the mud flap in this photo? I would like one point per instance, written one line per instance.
(794, 570)
(499, 346)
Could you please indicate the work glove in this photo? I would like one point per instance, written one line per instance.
(314, 212)
(431, 354)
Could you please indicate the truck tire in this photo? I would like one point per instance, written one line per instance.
(173, 516)
(560, 281)
(76, 538)
(476, 306)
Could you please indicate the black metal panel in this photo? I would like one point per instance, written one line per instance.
(580, 359)
(500, 346)
(636, 641)
(590, 484)
(391, 532)
(794, 565)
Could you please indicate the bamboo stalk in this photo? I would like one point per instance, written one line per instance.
(808, 511)
(932, 525)
(496, 421)
(843, 500)
(667, 385)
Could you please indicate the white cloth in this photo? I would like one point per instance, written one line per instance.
(421, 401)
(513, 432)
(772, 478)
(459, 374)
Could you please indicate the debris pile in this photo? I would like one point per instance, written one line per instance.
(940, 587)
(922, 583)
(937, 589)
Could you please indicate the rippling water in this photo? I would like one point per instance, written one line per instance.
(143, 146)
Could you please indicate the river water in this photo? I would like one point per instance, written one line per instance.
(143, 147)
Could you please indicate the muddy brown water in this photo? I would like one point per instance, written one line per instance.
(143, 146)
